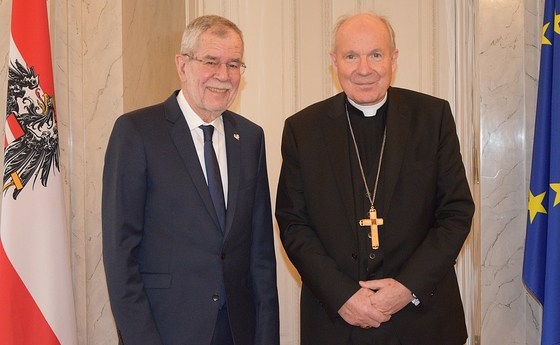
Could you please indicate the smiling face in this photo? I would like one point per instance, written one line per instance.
(210, 91)
(363, 59)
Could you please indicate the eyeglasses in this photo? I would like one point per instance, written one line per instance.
(233, 67)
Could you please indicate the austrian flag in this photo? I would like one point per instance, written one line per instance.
(36, 294)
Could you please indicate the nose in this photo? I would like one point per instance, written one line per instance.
(364, 66)
(221, 72)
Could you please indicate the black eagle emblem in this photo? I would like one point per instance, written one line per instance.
(34, 153)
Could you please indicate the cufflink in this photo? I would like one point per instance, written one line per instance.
(415, 300)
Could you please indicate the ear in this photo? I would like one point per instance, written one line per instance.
(333, 60)
(181, 64)
(394, 58)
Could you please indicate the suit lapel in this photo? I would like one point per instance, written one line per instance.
(336, 142)
(398, 126)
(233, 152)
(182, 138)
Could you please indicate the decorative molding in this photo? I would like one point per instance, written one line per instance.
(428, 49)
(467, 116)
(295, 54)
(289, 283)
(327, 39)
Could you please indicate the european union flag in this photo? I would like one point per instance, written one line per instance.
(541, 266)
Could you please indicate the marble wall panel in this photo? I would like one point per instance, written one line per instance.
(152, 32)
(95, 99)
(507, 84)
(533, 26)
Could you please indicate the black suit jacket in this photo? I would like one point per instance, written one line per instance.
(164, 253)
(425, 202)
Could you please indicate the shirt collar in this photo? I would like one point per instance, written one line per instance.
(193, 120)
(369, 110)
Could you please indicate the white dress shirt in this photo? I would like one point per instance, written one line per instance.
(218, 139)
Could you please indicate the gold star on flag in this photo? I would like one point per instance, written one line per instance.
(535, 205)
(556, 187)
(544, 39)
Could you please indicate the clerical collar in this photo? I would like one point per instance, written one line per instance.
(369, 110)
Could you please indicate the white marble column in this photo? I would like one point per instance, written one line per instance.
(87, 40)
(509, 38)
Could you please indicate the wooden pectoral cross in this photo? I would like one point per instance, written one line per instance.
(373, 222)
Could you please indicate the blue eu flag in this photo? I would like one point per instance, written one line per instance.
(541, 265)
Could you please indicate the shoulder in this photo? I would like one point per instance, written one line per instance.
(153, 115)
(144, 114)
(332, 106)
(415, 99)
(240, 122)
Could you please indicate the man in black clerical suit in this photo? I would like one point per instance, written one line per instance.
(373, 203)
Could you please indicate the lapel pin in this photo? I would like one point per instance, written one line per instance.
(236, 136)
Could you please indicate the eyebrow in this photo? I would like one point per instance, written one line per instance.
(210, 57)
(214, 58)
(353, 52)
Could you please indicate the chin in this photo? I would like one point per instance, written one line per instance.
(365, 101)
(216, 106)
(363, 98)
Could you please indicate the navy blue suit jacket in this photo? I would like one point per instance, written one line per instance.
(164, 253)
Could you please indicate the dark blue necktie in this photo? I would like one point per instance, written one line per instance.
(215, 187)
(213, 175)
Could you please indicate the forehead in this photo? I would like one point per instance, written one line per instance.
(220, 41)
(363, 33)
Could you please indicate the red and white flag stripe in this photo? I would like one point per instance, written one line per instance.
(12, 130)
(36, 294)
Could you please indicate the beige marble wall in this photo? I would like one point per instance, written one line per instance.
(152, 31)
(509, 42)
(94, 67)
(87, 40)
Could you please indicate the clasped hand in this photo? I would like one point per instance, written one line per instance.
(375, 302)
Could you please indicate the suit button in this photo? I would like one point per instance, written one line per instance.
(354, 256)
(369, 234)
(372, 256)
(215, 297)
(223, 256)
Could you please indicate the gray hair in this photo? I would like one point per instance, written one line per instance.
(342, 19)
(198, 26)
